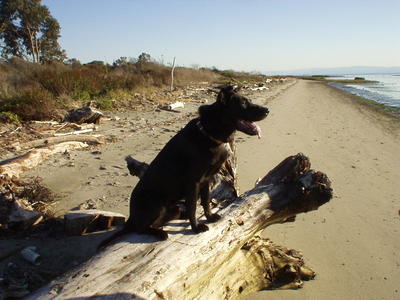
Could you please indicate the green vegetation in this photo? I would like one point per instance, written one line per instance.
(28, 31)
(37, 91)
(9, 117)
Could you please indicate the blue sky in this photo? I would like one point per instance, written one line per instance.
(241, 35)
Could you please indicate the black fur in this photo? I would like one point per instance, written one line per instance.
(184, 166)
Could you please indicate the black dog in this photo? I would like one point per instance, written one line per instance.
(185, 165)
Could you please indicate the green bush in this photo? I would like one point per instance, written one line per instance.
(9, 117)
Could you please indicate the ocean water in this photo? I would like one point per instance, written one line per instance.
(386, 90)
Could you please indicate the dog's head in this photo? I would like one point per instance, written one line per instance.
(241, 111)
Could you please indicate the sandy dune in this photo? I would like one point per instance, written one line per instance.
(353, 242)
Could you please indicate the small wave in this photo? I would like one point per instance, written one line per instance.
(385, 89)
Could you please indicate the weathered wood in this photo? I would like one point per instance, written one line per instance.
(74, 132)
(78, 222)
(172, 75)
(15, 166)
(22, 218)
(90, 139)
(84, 114)
(226, 262)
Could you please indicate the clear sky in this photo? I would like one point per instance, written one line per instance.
(251, 35)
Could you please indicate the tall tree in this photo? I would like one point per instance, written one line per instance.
(28, 31)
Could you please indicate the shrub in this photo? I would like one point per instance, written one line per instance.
(34, 91)
(9, 117)
(34, 104)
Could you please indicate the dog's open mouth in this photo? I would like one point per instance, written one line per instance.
(248, 127)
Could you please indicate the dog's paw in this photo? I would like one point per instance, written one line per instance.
(213, 218)
(158, 233)
(200, 228)
(162, 235)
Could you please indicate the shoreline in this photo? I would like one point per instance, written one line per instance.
(352, 242)
(392, 110)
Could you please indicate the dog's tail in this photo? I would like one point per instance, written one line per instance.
(125, 230)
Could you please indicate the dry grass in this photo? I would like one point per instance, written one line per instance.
(35, 92)
(39, 197)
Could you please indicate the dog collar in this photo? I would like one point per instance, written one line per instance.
(203, 131)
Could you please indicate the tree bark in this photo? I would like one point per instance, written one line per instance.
(226, 262)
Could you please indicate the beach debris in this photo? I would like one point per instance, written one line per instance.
(23, 204)
(84, 221)
(78, 126)
(260, 88)
(85, 114)
(14, 284)
(75, 132)
(30, 254)
(173, 106)
(22, 218)
(89, 139)
(17, 165)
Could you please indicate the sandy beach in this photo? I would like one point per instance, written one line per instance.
(352, 243)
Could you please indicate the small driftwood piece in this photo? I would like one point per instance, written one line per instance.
(226, 262)
(176, 105)
(15, 166)
(89, 139)
(74, 132)
(78, 222)
(84, 114)
(173, 106)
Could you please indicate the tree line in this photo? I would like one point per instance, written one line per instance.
(28, 31)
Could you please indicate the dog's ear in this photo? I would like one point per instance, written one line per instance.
(225, 93)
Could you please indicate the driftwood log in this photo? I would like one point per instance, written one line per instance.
(90, 139)
(226, 262)
(15, 166)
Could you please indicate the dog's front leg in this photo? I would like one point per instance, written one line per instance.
(192, 195)
(205, 202)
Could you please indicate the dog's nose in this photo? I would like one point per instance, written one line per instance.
(266, 111)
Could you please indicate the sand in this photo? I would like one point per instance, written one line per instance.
(352, 242)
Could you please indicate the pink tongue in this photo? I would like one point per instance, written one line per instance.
(250, 128)
(258, 130)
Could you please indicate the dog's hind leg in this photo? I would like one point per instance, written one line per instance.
(205, 202)
(151, 223)
(192, 195)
